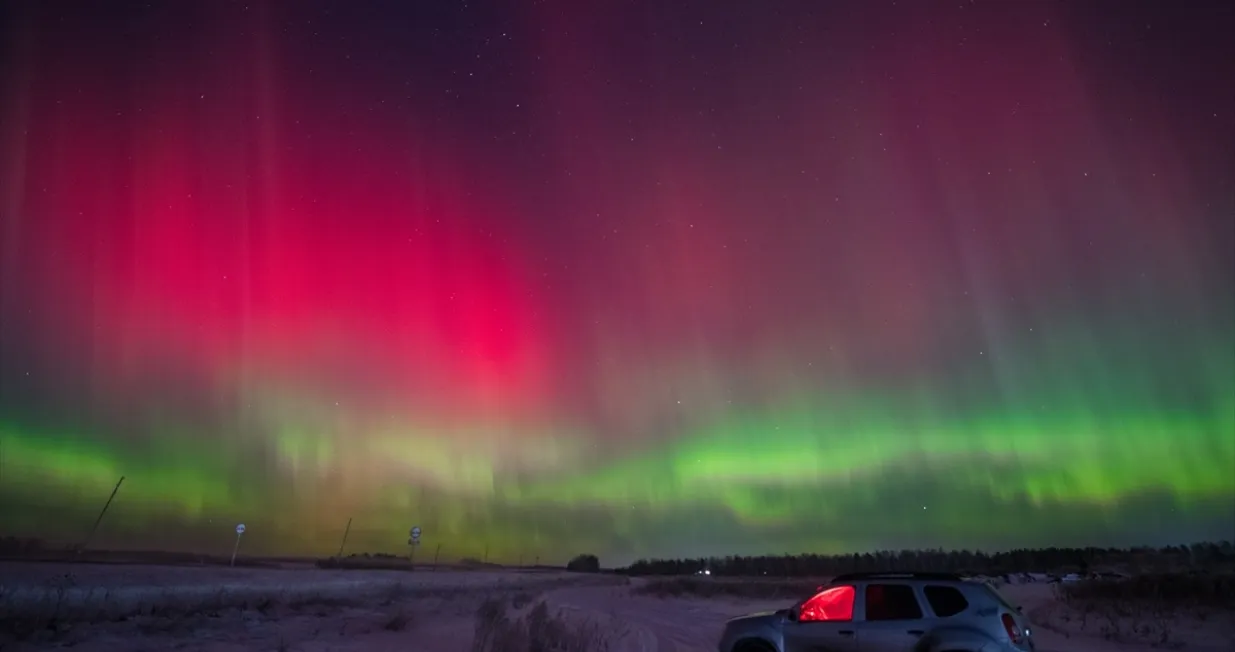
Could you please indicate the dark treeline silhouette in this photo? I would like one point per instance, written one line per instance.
(10, 545)
(1040, 560)
(584, 564)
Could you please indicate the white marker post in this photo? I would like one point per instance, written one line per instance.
(235, 548)
(412, 543)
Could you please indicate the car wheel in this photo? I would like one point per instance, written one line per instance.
(753, 646)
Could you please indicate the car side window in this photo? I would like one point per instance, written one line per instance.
(945, 600)
(833, 604)
(891, 602)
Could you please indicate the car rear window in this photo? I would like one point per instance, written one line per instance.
(945, 601)
(891, 602)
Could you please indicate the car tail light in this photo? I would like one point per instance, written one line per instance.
(1014, 630)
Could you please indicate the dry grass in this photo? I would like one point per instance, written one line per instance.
(381, 562)
(61, 612)
(423, 562)
(398, 621)
(1162, 610)
(1180, 590)
(498, 630)
(706, 587)
(42, 616)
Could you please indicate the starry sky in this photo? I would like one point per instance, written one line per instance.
(636, 278)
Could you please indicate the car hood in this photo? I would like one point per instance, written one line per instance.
(758, 615)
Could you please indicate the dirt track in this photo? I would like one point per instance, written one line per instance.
(648, 624)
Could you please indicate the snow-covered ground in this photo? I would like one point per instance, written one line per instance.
(135, 608)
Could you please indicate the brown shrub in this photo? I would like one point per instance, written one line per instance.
(365, 563)
(756, 589)
(1177, 590)
(537, 631)
(1148, 608)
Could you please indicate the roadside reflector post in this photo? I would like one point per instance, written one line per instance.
(236, 548)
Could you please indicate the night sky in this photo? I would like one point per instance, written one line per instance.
(637, 278)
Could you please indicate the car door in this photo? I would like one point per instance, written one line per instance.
(891, 618)
(824, 622)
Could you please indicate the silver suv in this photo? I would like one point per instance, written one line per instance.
(887, 612)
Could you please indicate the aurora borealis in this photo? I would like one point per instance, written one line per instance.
(631, 278)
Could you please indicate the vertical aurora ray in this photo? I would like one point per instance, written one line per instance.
(549, 289)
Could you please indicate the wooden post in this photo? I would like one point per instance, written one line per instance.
(345, 533)
(90, 537)
(235, 549)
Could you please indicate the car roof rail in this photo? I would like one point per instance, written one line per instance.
(894, 575)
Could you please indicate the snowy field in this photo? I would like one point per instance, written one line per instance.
(136, 608)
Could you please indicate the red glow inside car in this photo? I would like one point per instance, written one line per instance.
(831, 604)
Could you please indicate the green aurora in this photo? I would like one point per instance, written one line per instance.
(698, 289)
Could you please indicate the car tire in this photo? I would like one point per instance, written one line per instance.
(753, 646)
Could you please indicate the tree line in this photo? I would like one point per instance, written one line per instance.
(975, 562)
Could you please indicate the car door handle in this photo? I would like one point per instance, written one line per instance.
(915, 632)
(845, 632)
